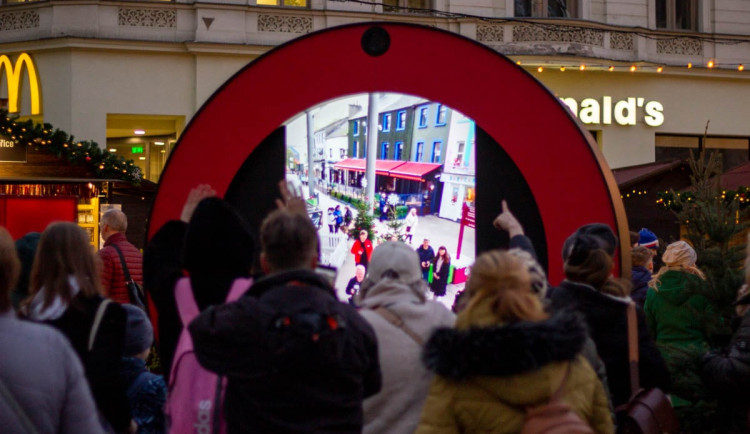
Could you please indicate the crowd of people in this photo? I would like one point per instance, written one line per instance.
(280, 353)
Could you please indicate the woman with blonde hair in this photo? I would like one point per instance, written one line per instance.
(507, 355)
(65, 292)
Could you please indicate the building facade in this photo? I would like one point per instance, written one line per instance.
(647, 78)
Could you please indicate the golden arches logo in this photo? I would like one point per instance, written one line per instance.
(13, 75)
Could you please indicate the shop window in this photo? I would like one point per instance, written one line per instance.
(423, 116)
(442, 115)
(399, 150)
(436, 151)
(355, 128)
(384, 151)
(386, 122)
(420, 151)
(400, 120)
(734, 151)
(677, 14)
(470, 195)
(546, 8)
(283, 3)
(409, 6)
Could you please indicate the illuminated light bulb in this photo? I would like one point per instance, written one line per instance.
(611, 68)
(711, 63)
(562, 68)
(582, 67)
(540, 69)
(690, 65)
(632, 68)
(741, 67)
(518, 62)
(660, 69)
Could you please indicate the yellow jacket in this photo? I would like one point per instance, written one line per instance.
(489, 374)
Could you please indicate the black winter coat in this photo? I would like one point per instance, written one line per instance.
(297, 359)
(102, 363)
(163, 264)
(606, 317)
(727, 374)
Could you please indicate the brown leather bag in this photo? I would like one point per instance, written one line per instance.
(648, 411)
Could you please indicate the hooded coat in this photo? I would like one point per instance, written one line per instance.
(296, 358)
(396, 409)
(215, 248)
(606, 318)
(488, 374)
(673, 313)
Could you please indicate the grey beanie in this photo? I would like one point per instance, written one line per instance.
(139, 335)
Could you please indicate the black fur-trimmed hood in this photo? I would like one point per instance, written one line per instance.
(506, 350)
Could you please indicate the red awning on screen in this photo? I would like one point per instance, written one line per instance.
(413, 171)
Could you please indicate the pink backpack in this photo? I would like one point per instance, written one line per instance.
(196, 396)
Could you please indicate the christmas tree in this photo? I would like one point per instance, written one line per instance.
(363, 220)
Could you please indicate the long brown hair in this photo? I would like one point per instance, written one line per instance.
(590, 264)
(446, 257)
(501, 277)
(10, 268)
(63, 251)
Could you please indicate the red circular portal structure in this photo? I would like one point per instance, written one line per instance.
(569, 179)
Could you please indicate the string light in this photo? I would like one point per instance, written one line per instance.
(582, 67)
(711, 63)
(632, 68)
(518, 62)
(740, 67)
(562, 69)
(611, 68)
(660, 69)
(690, 66)
(540, 69)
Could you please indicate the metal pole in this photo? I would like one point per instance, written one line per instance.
(372, 150)
(310, 154)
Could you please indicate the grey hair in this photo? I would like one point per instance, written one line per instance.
(115, 219)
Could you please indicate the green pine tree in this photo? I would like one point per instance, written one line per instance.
(712, 222)
(363, 220)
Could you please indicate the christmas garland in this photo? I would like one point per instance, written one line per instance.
(105, 164)
(668, 198)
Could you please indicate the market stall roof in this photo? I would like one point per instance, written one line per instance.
(413, 171)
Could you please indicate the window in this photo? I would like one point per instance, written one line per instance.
(399, 150)
(546, 8)
(287, 3)
(420, 151)
(459, 161)
(441, 115)
(355, 145)
(677, 14)
(436, 151)
(384, 151)
(423, 117)
(355, 128)
(412, 6)
(386, 122)
(400, 120)
(342, 153)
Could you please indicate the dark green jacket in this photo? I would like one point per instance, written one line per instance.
(674, 313)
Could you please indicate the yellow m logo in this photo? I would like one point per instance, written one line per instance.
(13, 74)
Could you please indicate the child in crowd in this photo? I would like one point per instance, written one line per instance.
(147, 392)
(643, 266)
